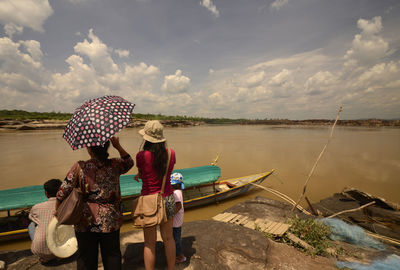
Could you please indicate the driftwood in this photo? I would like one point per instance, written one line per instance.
(351, 210)
(284, 197)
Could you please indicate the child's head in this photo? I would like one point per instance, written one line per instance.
(51, 187)
(177, 181)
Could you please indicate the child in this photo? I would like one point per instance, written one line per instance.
(178, 186)
(41, 214)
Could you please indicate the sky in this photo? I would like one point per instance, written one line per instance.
(254, 59)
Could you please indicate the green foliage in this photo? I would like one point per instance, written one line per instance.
(24, 115)
(310, 231)
(313, 232)
(186, 118)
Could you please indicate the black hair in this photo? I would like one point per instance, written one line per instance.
(51, 187)
(101, 152)
(160, 157)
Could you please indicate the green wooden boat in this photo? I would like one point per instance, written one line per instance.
(202, 187)
(16, 203)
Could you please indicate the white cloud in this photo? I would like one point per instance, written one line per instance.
(16, 61)
(367, 47)
(98, 53)
(208, 4)
(25, 13)
(320, 83)
(122, 53)
(22, 74)
(278, 4)
(11, 29)
(295, 86)
(254, 79)
(176, 83)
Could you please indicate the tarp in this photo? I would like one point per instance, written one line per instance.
(391, 262)
(353, 234)
(28, 196)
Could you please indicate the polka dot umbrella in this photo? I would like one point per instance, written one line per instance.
(97, 120)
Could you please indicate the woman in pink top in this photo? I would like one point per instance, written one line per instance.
(152, 163)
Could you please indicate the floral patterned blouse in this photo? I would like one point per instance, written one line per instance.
(102, 211)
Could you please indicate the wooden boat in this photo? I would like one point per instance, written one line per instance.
(221, 190)
(201, 188)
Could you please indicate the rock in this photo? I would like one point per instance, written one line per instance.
(210, 245)
(2, 265)
(270, 209)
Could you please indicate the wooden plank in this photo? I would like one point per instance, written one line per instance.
(220, 216)
(250, 224)
(236, 218)
(273, 227)
(269, 226)
(279, 229)
(282, 229)
(244, 221)
(240, 220)
(297, 240)
(229, 217)
(276, 228)
(260, 224)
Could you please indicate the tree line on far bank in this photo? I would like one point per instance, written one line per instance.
(24, 115)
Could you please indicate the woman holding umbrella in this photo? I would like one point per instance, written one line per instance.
(102, 213)
(152, 165)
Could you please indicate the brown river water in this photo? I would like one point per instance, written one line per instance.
(364, 158)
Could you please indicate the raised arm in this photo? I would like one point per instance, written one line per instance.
(115, 143)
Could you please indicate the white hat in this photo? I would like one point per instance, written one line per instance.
(61, 239)
(153, 132)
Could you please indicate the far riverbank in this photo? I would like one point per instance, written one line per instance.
(40, 124)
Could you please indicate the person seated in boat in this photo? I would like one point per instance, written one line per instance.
(178, 186)
(41, 214)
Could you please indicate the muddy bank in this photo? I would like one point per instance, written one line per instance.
(61, 124)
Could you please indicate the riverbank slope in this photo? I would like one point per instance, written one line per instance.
(210, 244)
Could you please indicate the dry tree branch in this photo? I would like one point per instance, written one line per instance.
(316, 163)
(284, 197)
(351, 210)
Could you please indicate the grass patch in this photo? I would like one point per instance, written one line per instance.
(311, 231)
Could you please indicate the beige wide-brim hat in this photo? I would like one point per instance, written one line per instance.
(61, 239)
(153, 132)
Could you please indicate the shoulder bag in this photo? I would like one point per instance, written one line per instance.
(70, 211)
(149, 210)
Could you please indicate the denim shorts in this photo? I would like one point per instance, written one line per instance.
(170, 206)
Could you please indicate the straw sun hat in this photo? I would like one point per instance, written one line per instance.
(61, 239)
(153, 132)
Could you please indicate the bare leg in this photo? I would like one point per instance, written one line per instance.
(169, 243)
(150, 239)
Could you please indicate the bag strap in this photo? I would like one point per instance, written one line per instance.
(80, 183)
(166, 172)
